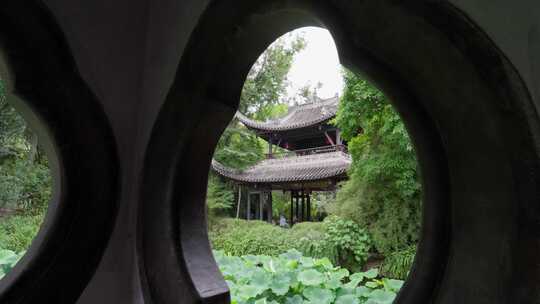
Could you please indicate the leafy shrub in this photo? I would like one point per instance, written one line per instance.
(10, 189)
(8, 259)
(294, 279)
(240, 237)
(350, 240)
(37, 187)
(24, 184)
(343, 242)
(312, 240)
(18, 231)
(397, 264)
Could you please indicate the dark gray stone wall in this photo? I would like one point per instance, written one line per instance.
(511, 25)
(128, 53)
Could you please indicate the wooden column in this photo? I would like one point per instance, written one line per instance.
(261, 205)
(269, 206)
(302, 207)
(297, 211)
(248, 209)
(292, 207)
(239, 201)
(308, 206)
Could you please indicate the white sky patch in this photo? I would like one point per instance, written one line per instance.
(318, 62)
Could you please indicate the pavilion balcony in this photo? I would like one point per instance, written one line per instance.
(310, 151)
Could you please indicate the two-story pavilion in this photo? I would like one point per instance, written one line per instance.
(312, 157)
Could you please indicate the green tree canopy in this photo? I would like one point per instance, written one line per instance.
(384, 191)
(267, 80)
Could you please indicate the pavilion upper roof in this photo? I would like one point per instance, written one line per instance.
(299, 116)
(304, 168)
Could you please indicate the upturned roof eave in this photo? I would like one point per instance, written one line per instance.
(325, 110)
(262, 128)
(313, 171)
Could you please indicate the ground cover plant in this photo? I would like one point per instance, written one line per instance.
(398, 264)
(292, 278)
(17, 231)
(8, 259)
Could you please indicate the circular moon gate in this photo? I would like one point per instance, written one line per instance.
(38, 68)
(471, 119)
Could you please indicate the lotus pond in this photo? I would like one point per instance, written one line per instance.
(291, 278)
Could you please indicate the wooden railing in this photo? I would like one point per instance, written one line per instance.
(310, 151)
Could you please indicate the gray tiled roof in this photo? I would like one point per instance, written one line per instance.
(290, 169)
(298, 116)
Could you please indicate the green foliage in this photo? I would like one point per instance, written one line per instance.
(219, 196)
(343, 242)
(267, 80)
(18, 231)
(383, 192)
(8, 259)
(350, 240)
(397, 264)
(306, 94)
(25, 185)
(281, 204)
(240, 237)
(295, 279)
(239, 148)
(320, 202)
(10, 188)
(311, 239)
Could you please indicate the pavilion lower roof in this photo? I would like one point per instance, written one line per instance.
(305, 168)
(299, 116)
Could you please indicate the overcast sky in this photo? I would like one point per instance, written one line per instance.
(318, 62)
